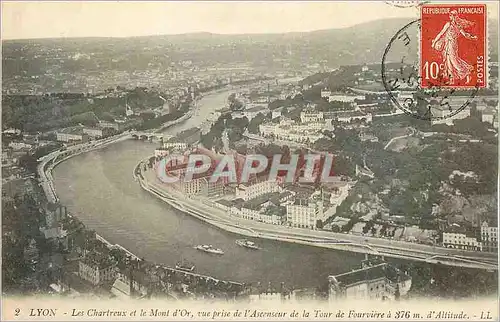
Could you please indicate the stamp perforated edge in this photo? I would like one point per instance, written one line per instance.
(486, 40)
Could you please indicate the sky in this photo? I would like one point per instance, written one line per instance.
(36, 19)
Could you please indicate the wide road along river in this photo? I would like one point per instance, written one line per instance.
(99, 189)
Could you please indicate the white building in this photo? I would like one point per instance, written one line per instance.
(175, 145)
(128, 110)
(441, 115)
(307, 116)
(338, 195)
(460, 241)
(350, 116)
(488, 116)
(489, 237)
(297, 132)
(371, 282)
(96, 269)
(70, 134)
(109, 125)
(271, 295)
(304, 213)
(254, 189)
(19, 145)
(345, 98)
(325, 92)
(93, 132)
(276, 113)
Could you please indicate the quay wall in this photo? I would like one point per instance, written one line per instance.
(331, 243)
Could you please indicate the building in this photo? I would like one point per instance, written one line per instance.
(224, 204)
(130, 284)
(441, 114)
(307, 116)
(93, 132)
(161, 152)
(325, 93)
(17, 146)
(338, 194)
(459, 240)
(292, 131)
(271, 295)
(265, 209)
(97, 268)
(255, 188)
(377, 281)
(488, 116)
(272, 214)
(489, 238)
(70, 134)
(109, 125)
(350, 116)
(305, 212)
(276, 113)
(367, 137)
(345, 98)
(254, 111)
(172, 145)
(201, 185)
(128, 110)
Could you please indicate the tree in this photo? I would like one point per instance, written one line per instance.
(368, 227)
(253, 126)
(347, 227)
(106, 116)
(29, 162)
(293, 114)
(242, 149)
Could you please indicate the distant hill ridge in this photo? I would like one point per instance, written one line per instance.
(362, 43)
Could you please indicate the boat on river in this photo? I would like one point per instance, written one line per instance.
(247, 243)
(209, 249)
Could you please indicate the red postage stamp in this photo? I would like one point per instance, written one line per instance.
(453, 48)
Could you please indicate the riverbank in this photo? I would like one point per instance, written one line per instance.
(45, 174)
(48, 162)
(206, 212)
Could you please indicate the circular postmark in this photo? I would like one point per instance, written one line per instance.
(406, 4)
(402, 81)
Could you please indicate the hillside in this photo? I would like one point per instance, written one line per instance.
(363, 43)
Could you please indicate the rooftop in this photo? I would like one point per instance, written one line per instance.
(256, 203)
(97, 260)
(370, 273)
(224, 202)
(256, 109)
(71, 130)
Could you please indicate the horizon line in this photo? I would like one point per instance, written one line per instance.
(209, 32)
(212, 33)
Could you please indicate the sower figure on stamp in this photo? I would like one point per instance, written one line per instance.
(446, 41)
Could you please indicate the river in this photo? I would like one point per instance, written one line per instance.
(99, 189)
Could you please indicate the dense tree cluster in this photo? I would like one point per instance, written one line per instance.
(21, 219)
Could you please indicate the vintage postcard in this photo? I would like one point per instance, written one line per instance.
(284, 160)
